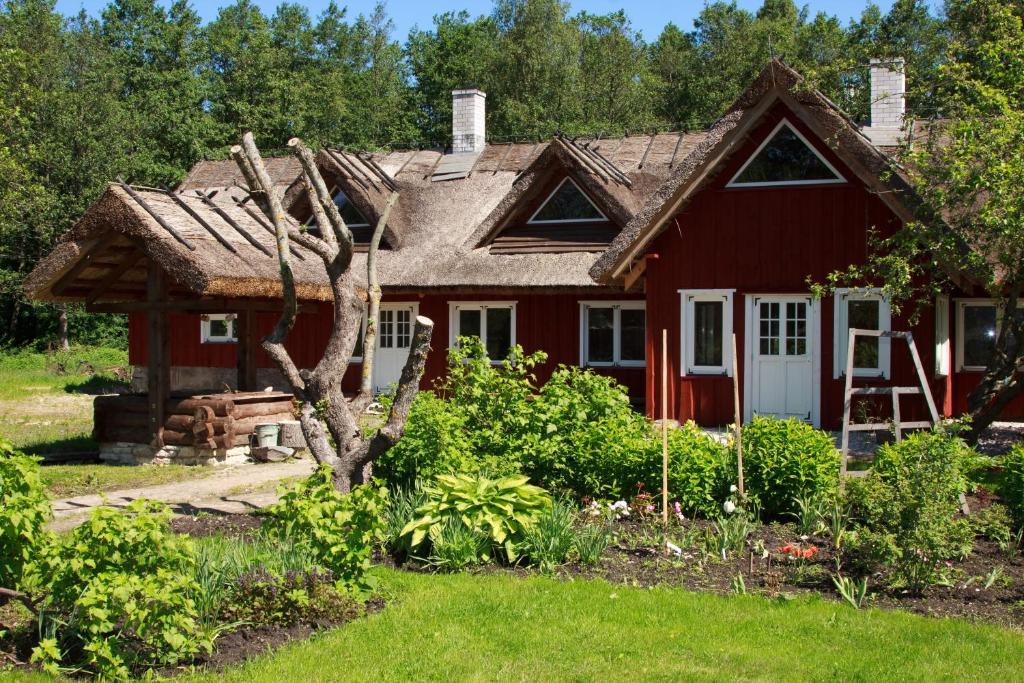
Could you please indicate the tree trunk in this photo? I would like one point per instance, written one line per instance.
(62, 327)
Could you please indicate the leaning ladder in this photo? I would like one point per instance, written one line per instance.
(898, 425)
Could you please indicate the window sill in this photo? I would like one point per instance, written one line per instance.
(706, 372)
(220, 341)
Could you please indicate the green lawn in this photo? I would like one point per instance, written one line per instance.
(497, 627)
(66, 481)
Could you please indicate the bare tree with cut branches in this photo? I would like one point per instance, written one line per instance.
(322, 403)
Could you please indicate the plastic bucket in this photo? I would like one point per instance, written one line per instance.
(266, 434)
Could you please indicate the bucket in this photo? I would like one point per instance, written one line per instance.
(266, 434)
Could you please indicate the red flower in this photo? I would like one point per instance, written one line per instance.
(810, 552)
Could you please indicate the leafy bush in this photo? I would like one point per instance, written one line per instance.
(500, 509)
(119, 589)
(455, 546)
(784, 460)
(24, 510)
(1012, 490)
(700, 470)
(909, 504)
(549, 541)
(262, 596)
(339, 530)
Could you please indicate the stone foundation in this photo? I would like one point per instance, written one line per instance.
(124, 453)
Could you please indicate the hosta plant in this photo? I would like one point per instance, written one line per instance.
(501, 509)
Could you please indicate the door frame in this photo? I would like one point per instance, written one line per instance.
(813, 337)
(412, 324)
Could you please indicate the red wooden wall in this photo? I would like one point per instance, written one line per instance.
(766, 240)
(546, 322)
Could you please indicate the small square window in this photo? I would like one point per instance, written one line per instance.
(218, 328)
(494, 324)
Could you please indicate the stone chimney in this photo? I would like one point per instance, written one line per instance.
(469, 127)
(888, 101)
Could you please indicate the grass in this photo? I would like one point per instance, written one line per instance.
(46, 399)
(66, 481)
(498, 627)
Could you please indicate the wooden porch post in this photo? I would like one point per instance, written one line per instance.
(159, 370)
(245, 329)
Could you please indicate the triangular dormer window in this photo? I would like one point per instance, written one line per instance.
(349, 213)
(785, 158)
(568, 204)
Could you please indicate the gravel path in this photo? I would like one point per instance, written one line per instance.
(231, 489)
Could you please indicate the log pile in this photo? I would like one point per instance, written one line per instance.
(201, 421)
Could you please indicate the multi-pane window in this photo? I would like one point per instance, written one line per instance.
(567, 204)
(977, 327)
(395, 328)
(785, 158)
(862, 309)
(706, 331)
(493, 323)
(781, 328)
(613, 333)
(218, 328)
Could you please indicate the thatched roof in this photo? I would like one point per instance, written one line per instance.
(450, 209)
(777, 82)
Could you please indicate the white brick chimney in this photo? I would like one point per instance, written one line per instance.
(888, 101)
(469, 127)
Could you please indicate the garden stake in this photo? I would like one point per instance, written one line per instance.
(736, 409)
(664, 430)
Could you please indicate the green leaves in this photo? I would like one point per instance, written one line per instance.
(498, 509)
(24, 510)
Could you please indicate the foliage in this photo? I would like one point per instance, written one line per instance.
(787, 460)
(24, 510)
(262, 596)
(907, 508)
(119, 590)
(339, 530)
(852, 591)
(500, 509)
(401, 509)
(699, 470)
(454, 546)
(549, 541)
(590, 542)
(992, 522)
(1012, 489)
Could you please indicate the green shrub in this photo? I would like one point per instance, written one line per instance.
(700, 470)
(1012, 489)
(339, 530)
(911, 499)
(500, 509)
(590, 542)
(548, 542)
(993, 523)
(455, 546)
(261, 596)
(24, 510)
(120, 591)
(784, 460)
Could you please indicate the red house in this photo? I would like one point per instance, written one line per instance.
(586, 249)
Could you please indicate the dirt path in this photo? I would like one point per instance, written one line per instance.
(232, 489)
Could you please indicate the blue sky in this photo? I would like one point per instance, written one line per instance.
(648, 17)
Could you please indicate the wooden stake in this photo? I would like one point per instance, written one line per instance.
(664, 427)
(739, 417)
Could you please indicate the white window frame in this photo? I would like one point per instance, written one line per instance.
(839, 179)
(687, 299)
(533, 219)
(617, 308)
(207, 337)
(943, 355)
(841, 331)
(453, 320)
(961, 305)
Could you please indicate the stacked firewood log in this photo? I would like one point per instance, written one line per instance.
(202, 421)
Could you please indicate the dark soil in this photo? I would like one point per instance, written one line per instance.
(232, 526)
(247, 642)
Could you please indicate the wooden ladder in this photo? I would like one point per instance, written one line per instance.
(898, 425)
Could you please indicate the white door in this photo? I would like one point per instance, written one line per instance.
(394, 337)
(781, 343)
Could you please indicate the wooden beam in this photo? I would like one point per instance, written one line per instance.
(159, 366)
(156, 216)
(84, 261)
(197, 305)
(113, 276)
(635, 274)
(245, 330)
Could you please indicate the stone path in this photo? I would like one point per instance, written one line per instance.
(230, 489)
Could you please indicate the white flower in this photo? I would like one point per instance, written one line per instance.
(619, 505)
(673, 548)
(732, 489)
(729, 507)
(804, 537)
